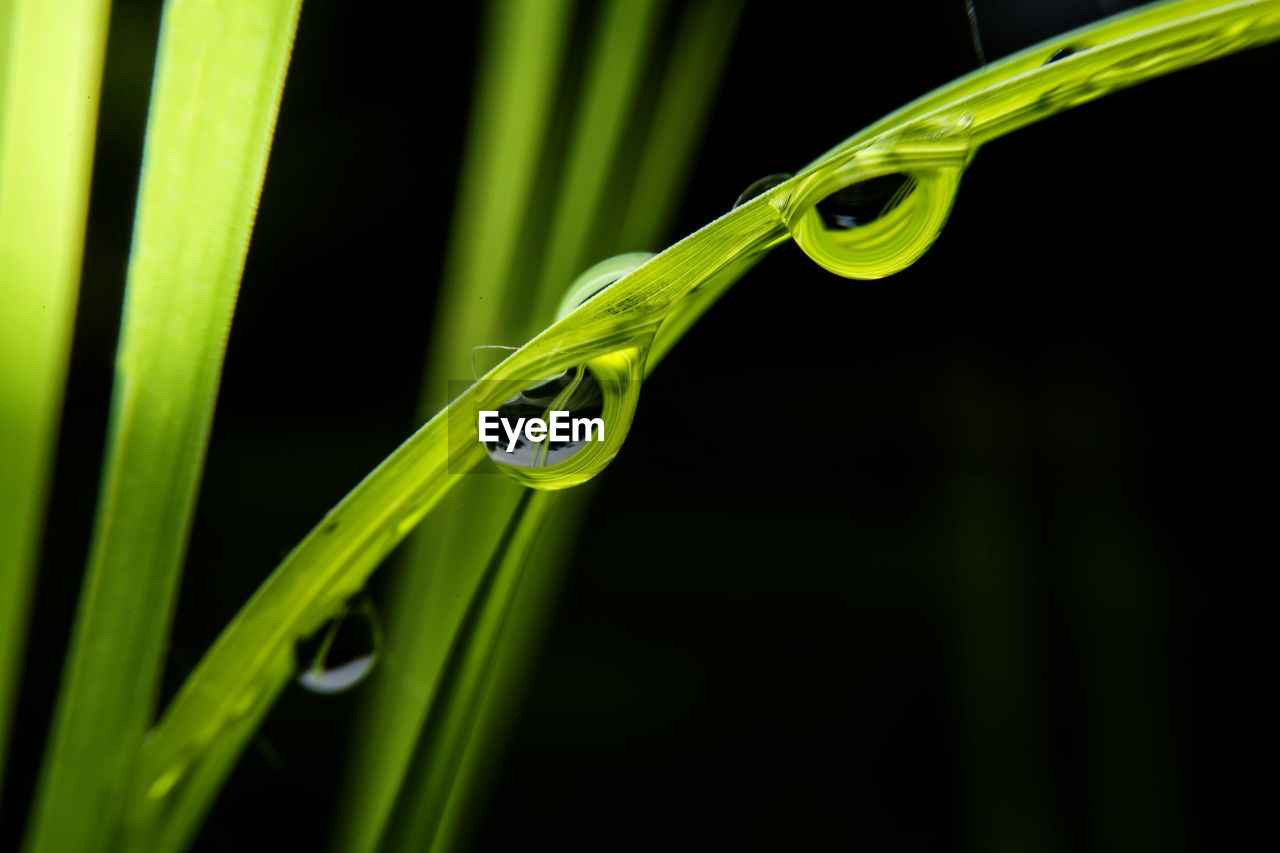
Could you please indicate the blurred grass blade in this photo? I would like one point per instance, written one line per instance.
(613, 73)
(428, 782)
(219, 75)
(512, 664)
(50, 74)
(522, 58)
(505, 142)
(684, 106)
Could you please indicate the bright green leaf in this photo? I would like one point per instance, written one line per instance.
(219, 76)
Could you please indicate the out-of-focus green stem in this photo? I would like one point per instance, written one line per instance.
(614, 71)
(50, 73)
(219, 75)
(684, 107)
(442, 744)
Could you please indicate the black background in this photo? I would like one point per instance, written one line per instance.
(973, 557)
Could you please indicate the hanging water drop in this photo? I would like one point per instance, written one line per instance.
(869, 220)
(596, 401)
(342, 652)
(762, 185)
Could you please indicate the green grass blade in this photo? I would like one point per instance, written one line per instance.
(505, 143)
(683, 109)
(432, 586)
(613, 74)
(512, 663)
(50, 74)
(169, 823)
(219, 75)
(429, 779)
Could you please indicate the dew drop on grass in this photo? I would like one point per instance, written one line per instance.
(1061, 53)
(601, 392)
(879, 225)
(762, 185)
(342, 652)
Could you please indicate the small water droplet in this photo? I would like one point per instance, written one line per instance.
(342, 652)
(762, 185)
(1060, 53)
(575, 391)
(864, 202)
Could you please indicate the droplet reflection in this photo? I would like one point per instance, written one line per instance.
(864, 202)
(339, 655)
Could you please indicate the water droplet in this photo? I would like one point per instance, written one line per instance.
(882, 223)
(343, 651)
(598, 396)
(1061, 53)
(599, 278)
(762, 185)
(864, 202)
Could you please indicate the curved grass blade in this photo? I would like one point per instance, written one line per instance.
(170, 823)
(512, 664)
(429, 780)
(333, 562)
(336, 558)
(50, 74)
(219, 75)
